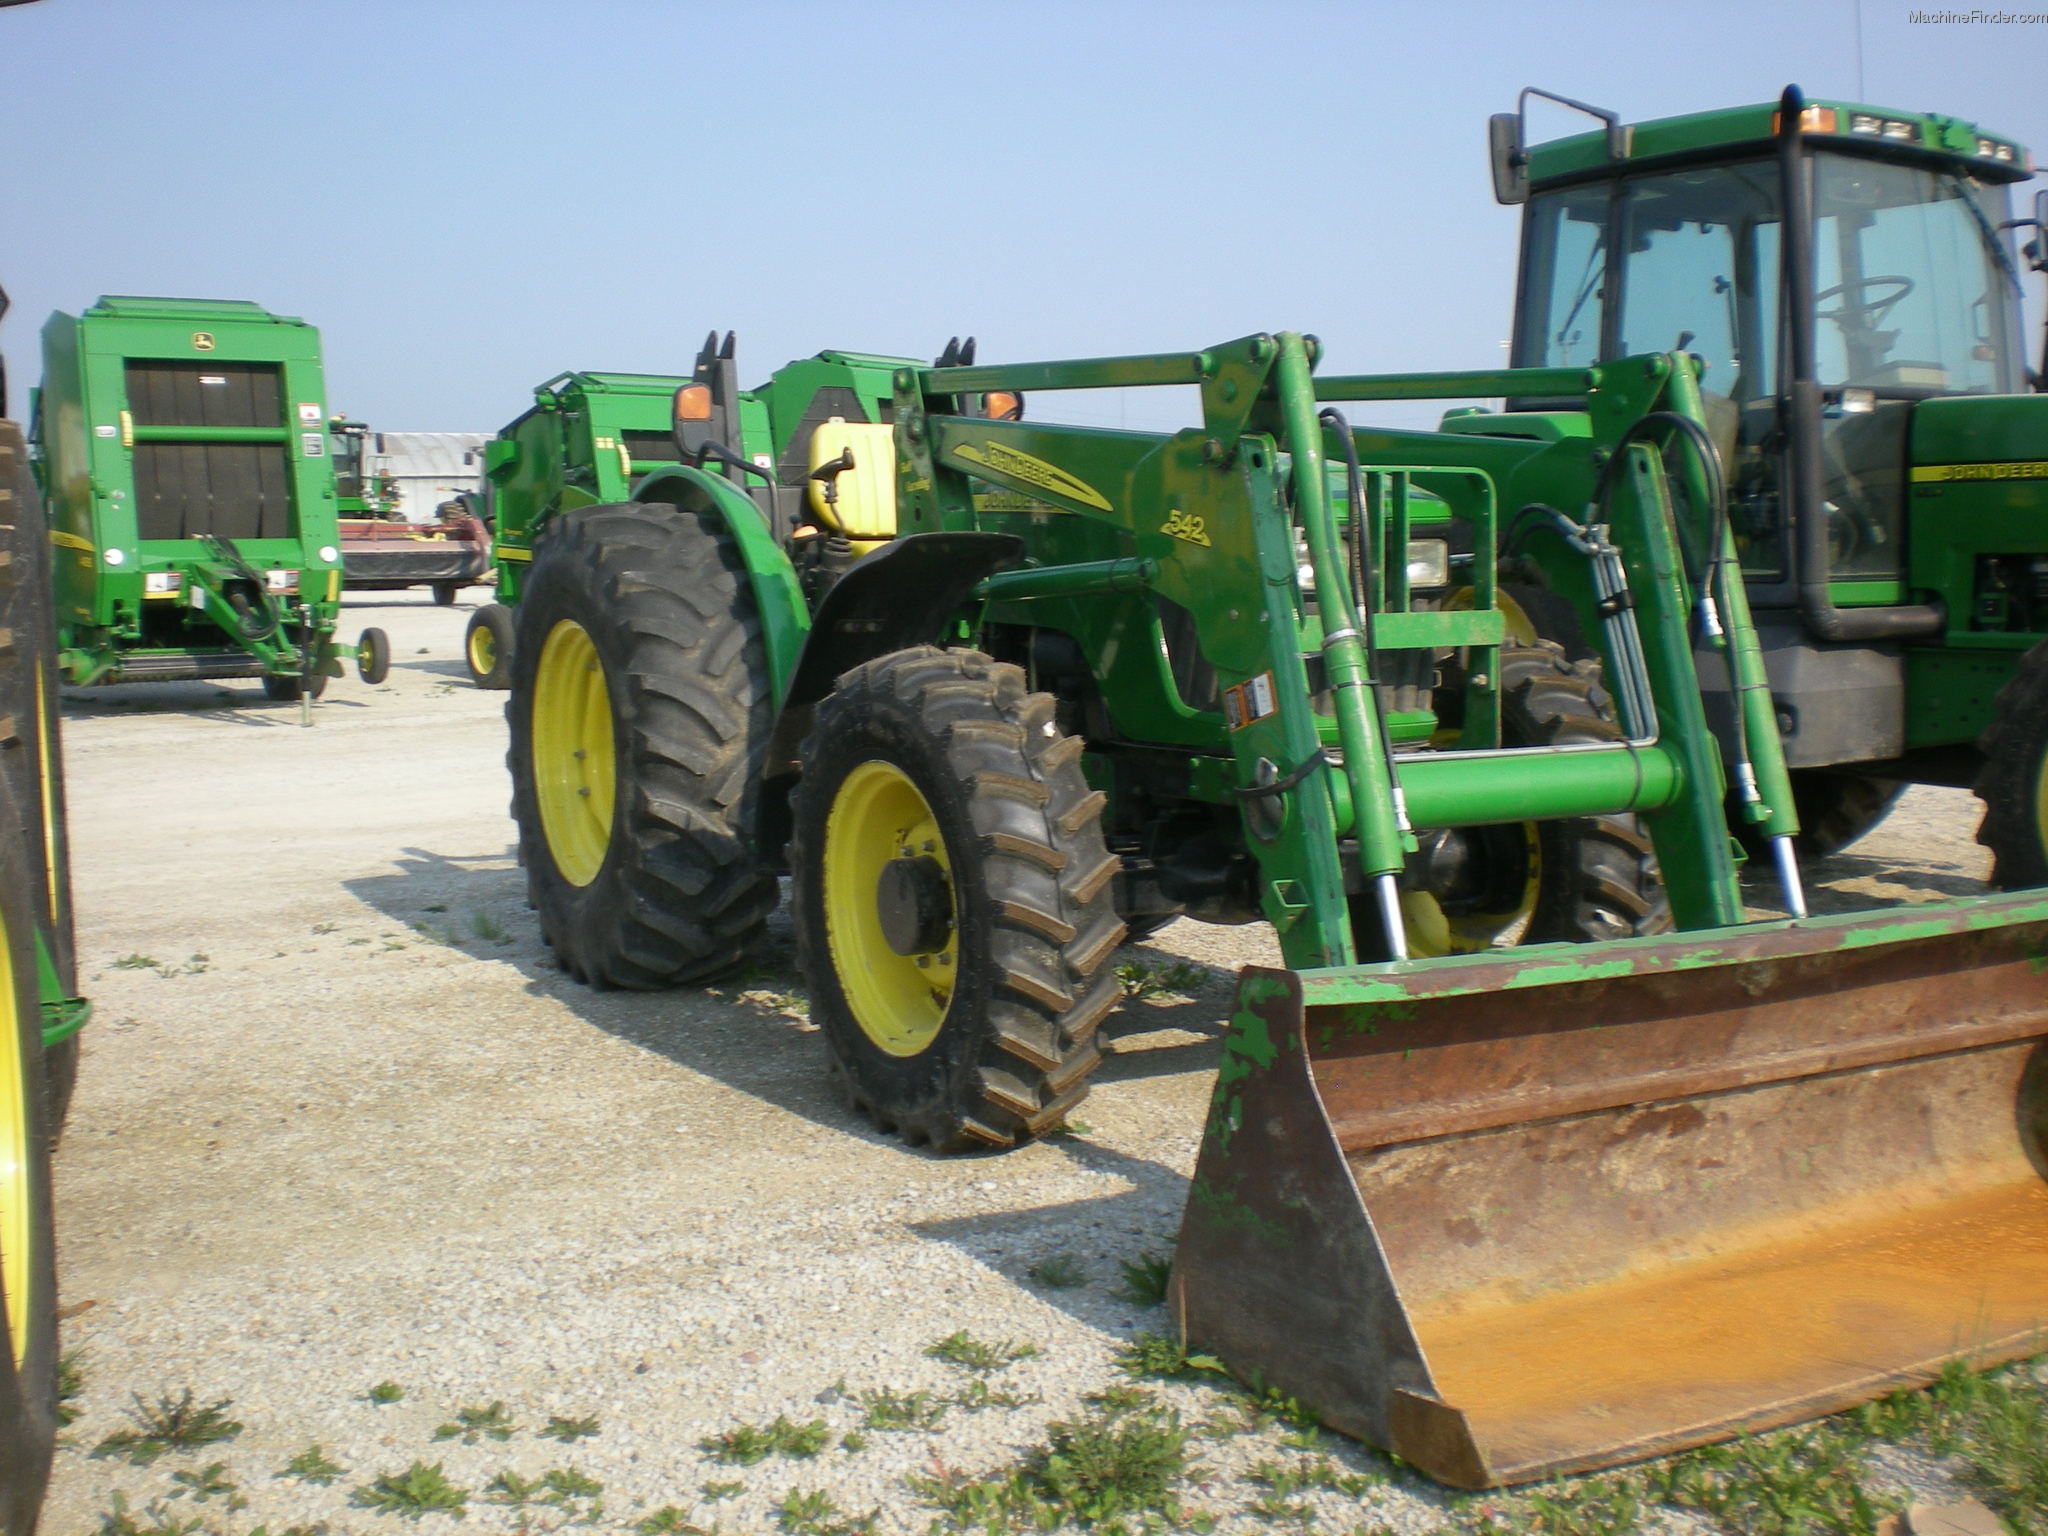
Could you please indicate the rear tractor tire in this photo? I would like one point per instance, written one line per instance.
(2013, 783)
(640, 711)
(487, 647)
(28, 1277)
(1578, 879)
(954, 910)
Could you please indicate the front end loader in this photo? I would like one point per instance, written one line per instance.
(1538, 1156)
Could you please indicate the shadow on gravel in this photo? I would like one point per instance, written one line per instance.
(248, 706)
(1827, 885)
(752, 1032)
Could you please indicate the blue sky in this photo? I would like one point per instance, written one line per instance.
(470, 197)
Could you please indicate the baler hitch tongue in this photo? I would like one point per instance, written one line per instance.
(1542, 1211)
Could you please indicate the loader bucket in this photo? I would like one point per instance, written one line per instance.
(1553, 1209)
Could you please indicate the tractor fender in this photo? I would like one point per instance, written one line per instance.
(778, 597)
(901, 595)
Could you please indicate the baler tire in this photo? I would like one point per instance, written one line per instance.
(2013, 782)
(674, 892)
(445, 593)
(287, 689)
(1598, 874)
(1005, 1053)
(32, 760)
(373, 656)
(28, 1277)
(487, 647)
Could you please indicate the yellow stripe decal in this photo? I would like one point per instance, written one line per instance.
(506, 552)
(1936, 474)
(70, 541)
(1004, 460)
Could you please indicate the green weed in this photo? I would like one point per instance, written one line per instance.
(1145, 1279)
(885, 1409)
(489, 929)
(1176, 978)
(1163, 1358)
(312, 1466)
(1057, 1272)
(417, 1491)
(713, 1492)
(326, 927)
(1100, 1468)
(168, 1425)
(209, 1482)
(474, 1424)
(815, 1514)
(561, 1488)
(136, 962)
(1772, 1485)
(978, 1395)
(70, 1384)
(385, 1393)
(668, 1521)
(568, 1431)
(971, 1354)
(747, 1445)
(153, 1521)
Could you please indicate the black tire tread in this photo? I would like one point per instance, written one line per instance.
(1052, 924)
(1600, 876)
(682, 897)
(2013, 746)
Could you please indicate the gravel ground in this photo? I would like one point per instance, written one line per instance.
(341, 1122)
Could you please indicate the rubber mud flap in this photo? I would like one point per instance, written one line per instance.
(1541, 1211)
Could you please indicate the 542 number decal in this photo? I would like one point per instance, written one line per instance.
(1185, 527)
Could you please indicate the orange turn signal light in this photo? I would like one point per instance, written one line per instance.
(693, 402)
(1002, 405)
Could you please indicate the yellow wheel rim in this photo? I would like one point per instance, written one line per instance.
(574, 777)
(1433, 931)
(899, 1001)
(17, 1154)
(483, 650)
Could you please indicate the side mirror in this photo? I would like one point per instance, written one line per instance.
(1510, 164)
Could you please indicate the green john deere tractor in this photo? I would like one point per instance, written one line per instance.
(183, 450)
(590, 436)
(1501, 1172)
(1845, 276)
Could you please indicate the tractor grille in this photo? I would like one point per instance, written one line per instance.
(237, 490)
(166, 393)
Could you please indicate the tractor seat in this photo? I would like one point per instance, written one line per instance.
(866, 507)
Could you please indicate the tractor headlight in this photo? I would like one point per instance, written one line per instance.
(1429, 564)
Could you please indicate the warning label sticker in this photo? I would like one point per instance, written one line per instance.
(1250, 702)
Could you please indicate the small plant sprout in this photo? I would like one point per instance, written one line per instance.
(136, 962)
(978, 1395)
(474, 1424)
(1145, 1279)
(312, 1466)
(1175, 978)
(70, 1384)
(385, 1393)
(714, 1492)
(747, 1445)
(1057, 1272)
(169, 1425)
(667, 1521)
(889, 1410)
(154, 1520)
(1161, 1358)
(962, 1349)
(568, 1431)
(815, 1514)
(417, 1491)
(489, 929)
(209, 1482)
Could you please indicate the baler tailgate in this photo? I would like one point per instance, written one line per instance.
(1543, 1211)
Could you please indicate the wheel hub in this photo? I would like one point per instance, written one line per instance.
(915, 905)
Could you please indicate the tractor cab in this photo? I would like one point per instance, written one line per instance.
(1830, 267)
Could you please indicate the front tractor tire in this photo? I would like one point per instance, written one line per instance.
(953, 900)
(640, 709)
(1575, 879)
(2013, 783)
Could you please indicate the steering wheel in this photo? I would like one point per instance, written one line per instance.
(1874, 309)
